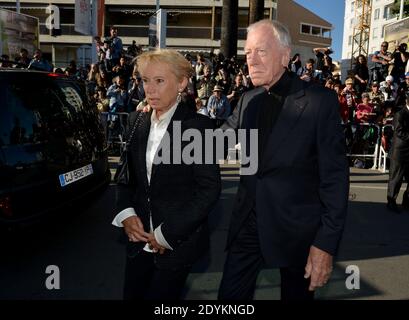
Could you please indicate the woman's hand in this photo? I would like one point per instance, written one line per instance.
(134, 229)
(154, 245)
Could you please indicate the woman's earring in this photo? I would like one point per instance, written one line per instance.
(179, 97)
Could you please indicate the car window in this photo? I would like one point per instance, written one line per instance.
(27, 111)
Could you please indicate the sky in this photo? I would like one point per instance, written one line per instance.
(332, 11)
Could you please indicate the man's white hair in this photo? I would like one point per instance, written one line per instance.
(279, 30)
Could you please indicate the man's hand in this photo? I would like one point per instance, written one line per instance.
(134, 229)
(318, 268)
(154, 245)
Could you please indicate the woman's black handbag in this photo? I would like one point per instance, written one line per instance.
(122, 171)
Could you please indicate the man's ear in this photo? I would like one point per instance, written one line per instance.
(285, 57)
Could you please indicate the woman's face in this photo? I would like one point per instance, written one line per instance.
(161, 85)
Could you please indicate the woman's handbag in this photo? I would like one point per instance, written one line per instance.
(122, 171)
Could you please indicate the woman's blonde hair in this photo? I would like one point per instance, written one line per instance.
(178, 64)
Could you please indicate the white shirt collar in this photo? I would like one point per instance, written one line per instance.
(165, 116)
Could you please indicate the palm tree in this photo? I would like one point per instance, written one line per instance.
(230, 13)
(256, 11)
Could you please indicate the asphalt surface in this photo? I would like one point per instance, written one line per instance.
(90, 256)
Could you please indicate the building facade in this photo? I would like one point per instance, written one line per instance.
(193, 25)
(380, 16)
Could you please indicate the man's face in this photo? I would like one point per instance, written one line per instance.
(120, 82)
(37, 55)
(407, 80)
(114, 32)
(265, 57)
(384, 46)
(375, 89)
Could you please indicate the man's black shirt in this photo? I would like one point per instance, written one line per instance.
(272, 102)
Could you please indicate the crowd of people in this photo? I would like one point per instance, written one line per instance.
(369, 95)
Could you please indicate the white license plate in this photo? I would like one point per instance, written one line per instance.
(75, 175)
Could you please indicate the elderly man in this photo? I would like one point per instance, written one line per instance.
(291, 213)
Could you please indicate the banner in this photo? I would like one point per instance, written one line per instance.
(18, 31)
(157, 30)
(83, 16)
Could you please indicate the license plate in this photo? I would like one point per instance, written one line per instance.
(75, 175)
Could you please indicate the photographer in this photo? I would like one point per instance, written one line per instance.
(400, 59)
(116, 46)
(118, 95)
(307, 73)
(324, 62)
(381, 58)
(236, 91)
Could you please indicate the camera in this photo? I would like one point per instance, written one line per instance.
(402, 47)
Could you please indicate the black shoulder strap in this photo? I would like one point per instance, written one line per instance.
(134, 127)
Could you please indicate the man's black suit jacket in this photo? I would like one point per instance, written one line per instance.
(181, 196)
(300, 192)
(400, 144)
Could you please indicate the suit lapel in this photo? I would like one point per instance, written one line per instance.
(143, 134)
(294, 106)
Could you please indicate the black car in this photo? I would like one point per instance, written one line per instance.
(52, 144)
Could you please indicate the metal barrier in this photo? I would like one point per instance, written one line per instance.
(384, 149)
(114, 124)
(360, 136)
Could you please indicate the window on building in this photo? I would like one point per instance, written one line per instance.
(377, 14)
(326, 33)
(387, 13)
(350, 40)
(317, 31)
(374, 33)
(305, 29)
(352, 6)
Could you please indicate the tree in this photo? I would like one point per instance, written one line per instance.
(256, 10)
(396, 8)
(230, 18)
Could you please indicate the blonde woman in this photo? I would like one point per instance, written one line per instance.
(164, 207)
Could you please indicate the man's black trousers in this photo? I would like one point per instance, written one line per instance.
(245, 261)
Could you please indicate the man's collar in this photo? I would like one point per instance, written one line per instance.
(282, 86)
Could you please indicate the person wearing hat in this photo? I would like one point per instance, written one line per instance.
(349, 93)
(364, 111)
(389, 90)
(399, 167)
(376, 98)
(218, 106)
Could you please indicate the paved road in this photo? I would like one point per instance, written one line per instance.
(87, 250)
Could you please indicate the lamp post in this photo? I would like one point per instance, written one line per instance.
(18, 6)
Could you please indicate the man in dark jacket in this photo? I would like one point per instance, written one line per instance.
(291, 213)
(399, 168)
